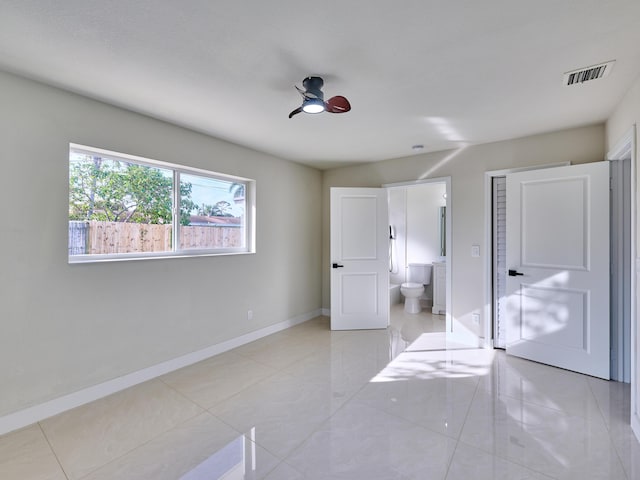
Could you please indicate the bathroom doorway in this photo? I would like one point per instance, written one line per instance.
(419, 233)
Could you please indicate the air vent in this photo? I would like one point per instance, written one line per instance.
(587, 74)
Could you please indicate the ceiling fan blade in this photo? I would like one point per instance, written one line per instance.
(306, 94)
(295, 112)
(301, 91)
(337, 104)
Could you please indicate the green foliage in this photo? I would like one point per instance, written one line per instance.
(186, 204)
(220, 209)
(115, 191)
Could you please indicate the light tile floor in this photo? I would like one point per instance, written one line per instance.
(308, 403)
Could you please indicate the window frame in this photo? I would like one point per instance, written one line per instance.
(177, 170)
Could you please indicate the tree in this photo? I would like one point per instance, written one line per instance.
(220, 209)
(186, 204)
(237, 189)
(115, 191)
(205, 210)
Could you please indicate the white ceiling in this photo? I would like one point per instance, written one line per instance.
(438, 73)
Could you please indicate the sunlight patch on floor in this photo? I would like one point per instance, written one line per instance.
(431, 356)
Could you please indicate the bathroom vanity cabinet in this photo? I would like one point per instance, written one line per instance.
(439, 288)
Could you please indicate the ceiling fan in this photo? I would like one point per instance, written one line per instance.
(313, 99)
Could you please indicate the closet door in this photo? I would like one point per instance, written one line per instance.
(499, 221)
(558, 261)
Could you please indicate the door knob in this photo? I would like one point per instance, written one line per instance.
(513, 273)
(335, 265)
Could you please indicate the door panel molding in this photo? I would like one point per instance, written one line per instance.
(552, 233)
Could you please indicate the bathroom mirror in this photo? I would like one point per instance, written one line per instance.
(442, 227)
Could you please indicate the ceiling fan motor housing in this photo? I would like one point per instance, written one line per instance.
(313, 86)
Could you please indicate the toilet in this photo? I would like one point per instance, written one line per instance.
(419, 276)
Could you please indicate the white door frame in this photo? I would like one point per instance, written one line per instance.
(487, 341)
(447, 182)
(626, 148)
(621, 261)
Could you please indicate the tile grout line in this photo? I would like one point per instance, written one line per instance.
(245, 436)
(318, 427)
(207, 409)
(466, 416)
(137, 447)
(524, 400)
(494, 454)
(44, 434)
(250, 357)
(183, 395)
(302, 441)
(340, 408)
(608, 427)
(315, 429)
(146, 442)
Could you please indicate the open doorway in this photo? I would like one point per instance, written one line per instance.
(419, 226)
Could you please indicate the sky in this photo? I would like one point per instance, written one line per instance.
(211, 191)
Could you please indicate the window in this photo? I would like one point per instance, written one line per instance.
(124, 207)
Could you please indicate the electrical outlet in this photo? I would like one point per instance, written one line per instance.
(475, 318)
(249, 314)
(475, 251)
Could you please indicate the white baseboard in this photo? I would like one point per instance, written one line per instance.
(486, 343)
(326, 312)
(30, 415)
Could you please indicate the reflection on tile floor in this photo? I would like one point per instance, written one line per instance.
(308, 403)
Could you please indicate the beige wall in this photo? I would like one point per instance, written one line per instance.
(624, 117)
(626, 114)
(66, 327)
(466, 167)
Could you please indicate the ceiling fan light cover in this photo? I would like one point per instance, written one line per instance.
(313, 105)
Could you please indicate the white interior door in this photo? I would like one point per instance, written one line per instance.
(557, 307)
(359, 259)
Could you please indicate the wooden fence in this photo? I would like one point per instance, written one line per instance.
(118, 237)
